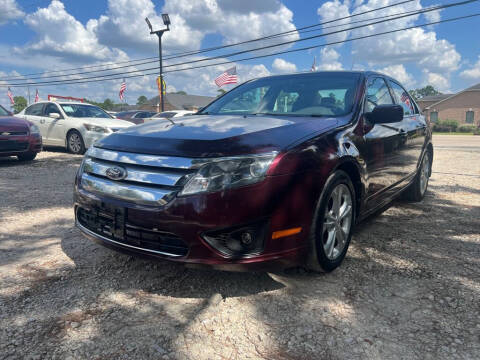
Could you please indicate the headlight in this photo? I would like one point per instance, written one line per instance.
(34, 129)
(224, 173)
(96, 128)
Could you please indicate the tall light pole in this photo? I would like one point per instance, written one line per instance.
(159, 33)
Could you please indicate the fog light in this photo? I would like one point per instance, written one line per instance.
(239, 241)
(247, 238)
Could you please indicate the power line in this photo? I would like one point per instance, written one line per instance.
(272, 54)
(413, 12)
(250, 50)
(177, 55)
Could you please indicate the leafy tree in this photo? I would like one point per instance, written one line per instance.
(142, 100)
(20, 104)
(221, 92)
(428, 90)
(108, 104)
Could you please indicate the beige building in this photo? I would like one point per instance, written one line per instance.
(463, 106)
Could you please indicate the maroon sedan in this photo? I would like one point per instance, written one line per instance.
(275, 172)
(18, 137)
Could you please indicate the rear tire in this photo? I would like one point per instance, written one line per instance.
(333, 223)
(28, 156)
(415, 192)
(75, 143)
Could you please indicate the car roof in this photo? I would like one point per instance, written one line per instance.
(312, 73)
(62, 102)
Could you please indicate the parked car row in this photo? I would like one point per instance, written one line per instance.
(73, 125)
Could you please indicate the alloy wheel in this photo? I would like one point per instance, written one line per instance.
(75, 143)
(337, 221)
(424, 173)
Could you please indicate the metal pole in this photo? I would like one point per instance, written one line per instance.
(28, 88)
(161, 68)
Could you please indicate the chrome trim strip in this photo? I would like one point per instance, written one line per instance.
(129, 192)
(91, 233)
(141, 159)
(145, 175)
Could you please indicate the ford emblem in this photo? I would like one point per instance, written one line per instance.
(116, 173)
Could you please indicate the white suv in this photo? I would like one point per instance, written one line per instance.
(73, 125)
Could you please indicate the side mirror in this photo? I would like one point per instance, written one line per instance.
(385, 114)
(54, 115)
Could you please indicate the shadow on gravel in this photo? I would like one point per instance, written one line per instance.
(404, 290)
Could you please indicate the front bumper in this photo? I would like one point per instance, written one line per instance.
(276, 202)
(17, 145)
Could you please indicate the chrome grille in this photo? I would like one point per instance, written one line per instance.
(147, 180)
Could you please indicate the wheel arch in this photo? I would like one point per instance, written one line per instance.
(353, 169)
(430, 151)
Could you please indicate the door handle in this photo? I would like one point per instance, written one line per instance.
(42, 121)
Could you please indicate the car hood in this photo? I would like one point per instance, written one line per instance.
(216, 135)
(10, 123)
(111, 123)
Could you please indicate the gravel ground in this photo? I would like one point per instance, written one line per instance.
(409, 286)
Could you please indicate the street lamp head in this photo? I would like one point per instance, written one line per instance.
(149, 24)
(166, 19)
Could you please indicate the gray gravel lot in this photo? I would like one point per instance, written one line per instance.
(409, 287)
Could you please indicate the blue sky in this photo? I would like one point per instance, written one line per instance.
(46, 35)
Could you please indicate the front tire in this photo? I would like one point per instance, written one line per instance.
(29, 156)
(415, 192)
(333, 223)
(75, 143)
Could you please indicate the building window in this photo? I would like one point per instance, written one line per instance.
(469, 117)
(434, 116)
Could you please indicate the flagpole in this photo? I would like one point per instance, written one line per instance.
(28, 89)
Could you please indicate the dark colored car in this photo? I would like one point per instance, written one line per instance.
(135, 116)
(18, 137)
(275, 172)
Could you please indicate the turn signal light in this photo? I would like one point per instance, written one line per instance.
(287, 232)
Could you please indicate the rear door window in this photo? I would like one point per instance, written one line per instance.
(35, 109)
(403, 98)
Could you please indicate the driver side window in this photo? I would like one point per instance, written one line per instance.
(377, 94)
(51, 108)
(249, 101)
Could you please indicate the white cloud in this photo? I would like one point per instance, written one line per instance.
(59, 34)
(329, 60)
(438, 81)
(414, 45)
(332, 10)
(9, 10)
(283, 66)
(111, 29)
(473, 73)
(400, 73)
(433, 16)
(419, 46)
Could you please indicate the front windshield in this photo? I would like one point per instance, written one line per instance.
(3, 112)
(312, 94)
(84, 111)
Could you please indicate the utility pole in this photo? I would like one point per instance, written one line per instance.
(159, 33)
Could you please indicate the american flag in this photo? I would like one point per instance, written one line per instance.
(314, 65)
(406, 100)
(123, 87)
(10, 96)
(37, 97)
(228, 77)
